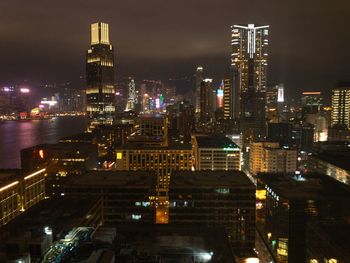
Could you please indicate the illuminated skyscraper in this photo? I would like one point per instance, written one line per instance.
(220, 95)
(231, 95)
(280, 93)
(341, 105)
(249, 57)
(132, 99)
(198, 80)
(100, 89)
(206, 100)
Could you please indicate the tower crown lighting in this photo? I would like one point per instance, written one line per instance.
(99, 33)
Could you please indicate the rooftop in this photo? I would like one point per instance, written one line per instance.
(59, 213)
(112, 179)
(61, 146)
(306, 187)
(203, 179)
(332, 238)
(150, 243)
(215, 141)
(174, 243)
(141, 146)
(338, 158)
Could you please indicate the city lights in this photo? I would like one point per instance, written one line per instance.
(25, 90)
(206, 161)
(48, 231)
(48, 102)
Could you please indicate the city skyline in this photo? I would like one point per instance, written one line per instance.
(190, 131)
(147, 48)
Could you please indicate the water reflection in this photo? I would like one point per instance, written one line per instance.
(16, 135)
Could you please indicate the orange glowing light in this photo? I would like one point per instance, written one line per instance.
(41, 153)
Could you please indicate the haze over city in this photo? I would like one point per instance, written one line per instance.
(45, 41)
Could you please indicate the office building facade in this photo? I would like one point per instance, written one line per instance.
(215, 153)
(268, 157)
(162, 160)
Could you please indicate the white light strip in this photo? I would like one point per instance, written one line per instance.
(8, 186)
(238, 26)
(251, 27)
(34, 174)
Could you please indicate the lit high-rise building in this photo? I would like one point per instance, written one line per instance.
(100, 90)
(280, 93)
(231, 94)
(249, 57)
(198, 80)
(132, 99)
(206, 100)
(220, 96)
(341, 105)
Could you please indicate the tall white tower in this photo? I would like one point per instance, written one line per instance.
(132, 99)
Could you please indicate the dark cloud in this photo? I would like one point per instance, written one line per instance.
(46, 40)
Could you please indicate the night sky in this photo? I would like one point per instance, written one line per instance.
(45, 41)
